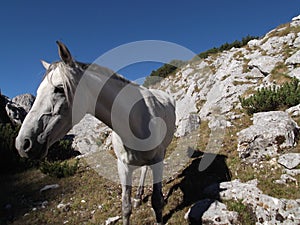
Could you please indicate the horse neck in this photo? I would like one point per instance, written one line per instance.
(112, 103)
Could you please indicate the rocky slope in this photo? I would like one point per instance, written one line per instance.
(207, 91)
(210, 88)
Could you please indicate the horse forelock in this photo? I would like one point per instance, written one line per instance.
(59, 74)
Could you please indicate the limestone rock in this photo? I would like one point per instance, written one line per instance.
(15, 113)
(89, 135)
(210, 211)
(270, 132)
(18, 107)
(296, 21)
(25, 101)
(289, 160)
(265, 64)
(267, 209)
(294, 111)
(294, 59)
(187, 124)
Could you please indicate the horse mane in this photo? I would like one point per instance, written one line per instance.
(70, 84)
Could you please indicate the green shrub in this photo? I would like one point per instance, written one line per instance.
(162, 72)
(61, 150)
(59, 169)
(10, 161)
(273, 98)
(227, 46)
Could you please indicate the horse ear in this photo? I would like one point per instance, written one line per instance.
(45, 64)
(65, 54)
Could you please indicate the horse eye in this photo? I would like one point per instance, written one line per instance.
(59, 90)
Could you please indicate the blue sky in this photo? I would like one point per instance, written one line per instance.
(89, 28)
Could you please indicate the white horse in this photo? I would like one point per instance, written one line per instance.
(142, 131)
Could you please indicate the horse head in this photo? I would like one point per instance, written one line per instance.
(50, 117)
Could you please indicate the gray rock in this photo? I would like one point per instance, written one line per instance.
(187, 125)
(210, 211)
(296, 43)
(264, 63)
(15, 113)
(112, 220)
(294, 59)
(90, 135)
(267, 209)
(25, 101)
(294, 111)
(49, 187)
(18, 107)
(270, 132)
(286, 179)
(64, 207)
(289, 160)
(295, 21)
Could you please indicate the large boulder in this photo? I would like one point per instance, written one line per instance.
(15, 113)
(90, 135)
(18, 107)
(25, 101)
(267, 209)
(187, 125)
(270, 132)
(210, 211)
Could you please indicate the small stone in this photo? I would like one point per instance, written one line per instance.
(289, 160)
(64, 207)
(112, 220)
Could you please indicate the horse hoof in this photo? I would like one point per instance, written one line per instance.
(136, 202)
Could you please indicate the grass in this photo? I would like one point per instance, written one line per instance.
(284, 30)
(102, 197)
(279, 74)
(245, 213)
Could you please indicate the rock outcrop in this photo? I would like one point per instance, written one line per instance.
(268, 210)
(270, 133)
(25, 101)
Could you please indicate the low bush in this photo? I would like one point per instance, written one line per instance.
(227, 46)
(11, 162)
(273, 98)
(59, 169)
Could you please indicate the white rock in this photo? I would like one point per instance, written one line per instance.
(264, 63)
(210, 211)
(48, 187)
(265, 208)
(294, 59)
(112, 220)
(187, 125)
(295, 21)
(289, 160)
(270, 131)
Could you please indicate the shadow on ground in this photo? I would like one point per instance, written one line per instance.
(193, 184)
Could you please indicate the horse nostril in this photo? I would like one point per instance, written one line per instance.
(27, 145)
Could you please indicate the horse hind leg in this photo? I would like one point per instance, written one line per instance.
(157, 199)
(140, 191)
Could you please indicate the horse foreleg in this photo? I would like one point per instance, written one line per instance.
(140, 191)
(125, 173)
(157, 199)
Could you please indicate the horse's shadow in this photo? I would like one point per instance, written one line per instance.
(194, 182)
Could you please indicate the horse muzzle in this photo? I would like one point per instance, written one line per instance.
(27, 148)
